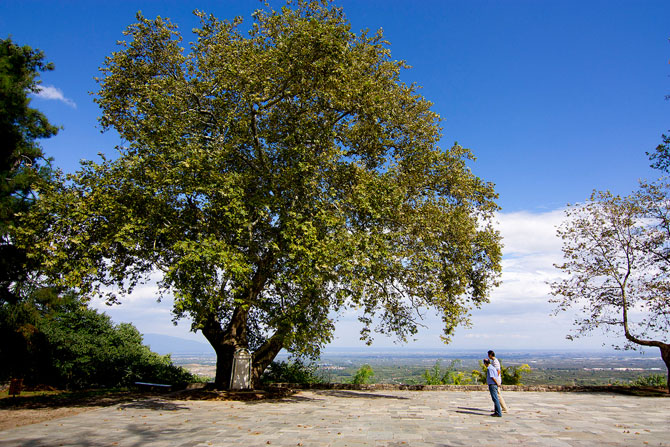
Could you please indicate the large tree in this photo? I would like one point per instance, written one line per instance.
(272, 178)
(22, 162)
(617, 266)
(23, 167)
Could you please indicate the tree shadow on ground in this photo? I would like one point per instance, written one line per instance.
(242, 396)
(100, 398)
(640, 391)
(357, 394)
(153, 403)
(319, 395)
(279, 394)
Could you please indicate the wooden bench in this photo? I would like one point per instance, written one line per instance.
(153, 386)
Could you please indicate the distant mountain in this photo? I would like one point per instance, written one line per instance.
(164, 344)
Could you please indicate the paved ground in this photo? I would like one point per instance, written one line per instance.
(338, 418)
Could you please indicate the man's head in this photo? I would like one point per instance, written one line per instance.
(487, 362)
(492, 355)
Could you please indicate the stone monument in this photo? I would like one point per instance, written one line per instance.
(240, 379)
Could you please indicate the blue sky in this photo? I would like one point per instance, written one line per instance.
(555, 98)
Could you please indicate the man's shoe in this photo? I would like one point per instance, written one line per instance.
(496, 415)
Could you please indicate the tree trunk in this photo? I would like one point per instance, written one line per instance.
(234, 337)
(264, 356)
(226, 342)
(664, 347)
(665, 355)
(224, 366)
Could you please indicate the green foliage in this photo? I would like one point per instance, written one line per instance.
(479, 375)
(59, 341)
(510, 375)
(434, 376)
(23, 166)
(449, 376)
(291, 372)
(363, 376)
(276, 177)
(660, 158)
(655, 380)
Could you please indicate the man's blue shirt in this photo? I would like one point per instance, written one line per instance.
(491, 372)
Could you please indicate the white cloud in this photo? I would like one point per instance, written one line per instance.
(142, 309)
(531, 248)
(52, 93)
(524, 232)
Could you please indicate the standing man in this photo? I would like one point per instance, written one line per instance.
(493, 381)
(496, 364)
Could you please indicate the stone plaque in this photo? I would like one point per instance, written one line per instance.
(240, 379)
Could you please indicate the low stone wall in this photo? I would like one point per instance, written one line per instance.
(390, 387)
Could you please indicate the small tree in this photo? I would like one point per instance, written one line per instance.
(434, 376)
(512, 375)
(363, 376)
(617, 266)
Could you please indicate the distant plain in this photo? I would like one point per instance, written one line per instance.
(407, 366)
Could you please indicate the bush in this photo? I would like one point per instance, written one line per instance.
(291, 372)
(72, 346)
(511, 375)
(655, 380)
(363, 375)
(88, 350)
(450, 375)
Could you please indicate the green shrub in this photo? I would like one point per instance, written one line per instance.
(656, 380)
(449, 376)
(363, 375)
(511, 375)
(88, 350)
(291, 372)
(72, 346)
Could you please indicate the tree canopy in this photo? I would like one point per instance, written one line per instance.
(661, 156)
(22, 162)
(617, 266)
(273, 178)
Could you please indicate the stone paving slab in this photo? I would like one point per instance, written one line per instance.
(341, 418)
